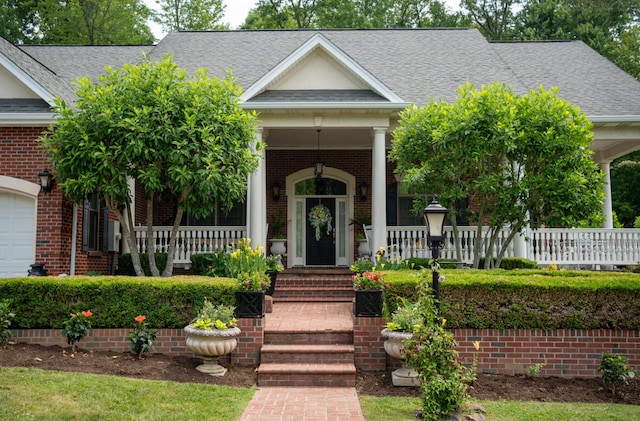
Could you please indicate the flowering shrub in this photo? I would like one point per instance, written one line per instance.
(142, 337)
(76, 328)
(214, 317)
(369, 280)
(320, 219)
(431, 352)
(408, 317)
(615, 371)
(243, 258)
(254, 281)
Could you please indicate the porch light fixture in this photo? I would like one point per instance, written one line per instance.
(434, 219)
(363, 189)
(275, 190)
(318, 166)
(46, 181)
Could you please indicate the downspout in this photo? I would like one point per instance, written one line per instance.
(74, 236)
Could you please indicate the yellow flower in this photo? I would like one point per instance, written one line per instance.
(476, 345)
(443, 322)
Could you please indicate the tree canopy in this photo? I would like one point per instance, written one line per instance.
(95, 22)
(152, 123)
(190, 15)
(519, 160)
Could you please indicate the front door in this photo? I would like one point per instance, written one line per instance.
(321, 246)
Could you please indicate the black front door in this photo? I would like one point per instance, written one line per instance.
(321, 252)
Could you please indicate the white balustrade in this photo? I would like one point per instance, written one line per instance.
(190, 240)
(562, 246)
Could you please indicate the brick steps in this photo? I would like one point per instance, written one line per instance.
(307, 374)
(317, 353)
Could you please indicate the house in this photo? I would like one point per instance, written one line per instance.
(329, 97)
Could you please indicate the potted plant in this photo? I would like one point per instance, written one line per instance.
(250, 297)
(211, 334)
(362, 265)
(278, 239)
(274, 266)
(368, 290)
(407, 317)
(359, 222)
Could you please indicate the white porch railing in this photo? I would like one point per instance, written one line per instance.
(191, 240)
(563, 246)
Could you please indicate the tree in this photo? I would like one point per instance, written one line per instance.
(625, 186)
(521, 160)
(89, 22)
(190, 15)
(150, 122)
(494, 18)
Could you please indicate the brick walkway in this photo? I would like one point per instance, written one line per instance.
(306, 403)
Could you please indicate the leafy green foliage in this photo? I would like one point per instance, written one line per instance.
(494, 147)
(77, 327)
(615, 371)
(190, 15)
(5, 321)
(431, 352)
(142, 337)
(170, 132)
(125, 264)
(212, 316)
(170, 303)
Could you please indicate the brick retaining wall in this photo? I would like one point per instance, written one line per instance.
(567, 352)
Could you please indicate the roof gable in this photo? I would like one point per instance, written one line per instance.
(331, 68)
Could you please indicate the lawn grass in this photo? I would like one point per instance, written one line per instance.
(402, 409)
(34, 394)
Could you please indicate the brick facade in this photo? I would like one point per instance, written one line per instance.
(22, 157)
(567, 352)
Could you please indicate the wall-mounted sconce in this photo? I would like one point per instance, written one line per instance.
(275, 190)
(363, 189)
(46, 181)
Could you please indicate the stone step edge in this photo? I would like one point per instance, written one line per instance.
(309, 331)
(310, 369)
(308, 349)
(309, 299)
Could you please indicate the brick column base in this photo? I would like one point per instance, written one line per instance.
(369, 344)
(250, 342)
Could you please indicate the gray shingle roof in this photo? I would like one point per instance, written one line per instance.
(23, 106)
(315, 95)
(417, 64)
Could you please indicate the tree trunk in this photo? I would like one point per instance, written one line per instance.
(168, 270)
(151, 241)
(126, 224)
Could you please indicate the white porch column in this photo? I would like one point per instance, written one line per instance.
(607, 208)
(379, 190)
(257, 201)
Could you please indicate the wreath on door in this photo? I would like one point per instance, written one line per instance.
(320, 219)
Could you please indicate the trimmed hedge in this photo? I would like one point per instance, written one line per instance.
(45, 302)
(529, 299)
(513, 263)
(125, 264)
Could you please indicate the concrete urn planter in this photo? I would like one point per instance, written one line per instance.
(395, 348)
(211, 344)
(363, 249)
(279, 246)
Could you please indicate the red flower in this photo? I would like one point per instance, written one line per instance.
(87, 313)
(140, 318)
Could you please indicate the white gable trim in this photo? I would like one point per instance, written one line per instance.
(320, 41)
(26, 79)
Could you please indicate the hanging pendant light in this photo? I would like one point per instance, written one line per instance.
(318, 166)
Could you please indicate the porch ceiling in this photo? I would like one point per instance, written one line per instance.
(613, 140)
(330, 138)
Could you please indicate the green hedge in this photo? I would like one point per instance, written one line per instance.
(529, 299)
(513, 263)
(45, 302)
(125, 264)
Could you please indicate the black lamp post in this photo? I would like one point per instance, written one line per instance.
(434, 215)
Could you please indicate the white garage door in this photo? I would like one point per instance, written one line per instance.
(17, 234)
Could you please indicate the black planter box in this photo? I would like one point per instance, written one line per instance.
(250, 303)
(368, 303)
(273, 274)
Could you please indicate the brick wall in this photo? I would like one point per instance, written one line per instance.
(567, 352)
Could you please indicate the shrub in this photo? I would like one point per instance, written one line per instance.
(125, 264)
(5, 321)
(615, 371)
(509, 263)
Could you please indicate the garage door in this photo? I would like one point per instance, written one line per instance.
(17, 234)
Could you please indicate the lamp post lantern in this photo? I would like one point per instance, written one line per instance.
(434, 215)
